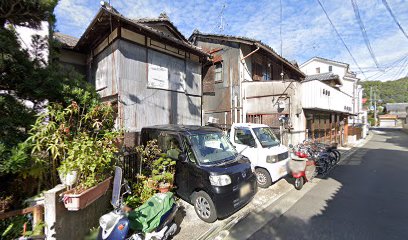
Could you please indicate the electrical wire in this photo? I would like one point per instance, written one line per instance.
(338, 35)
(401, 70)
(363, 31)
(393, 17)
(380, 74)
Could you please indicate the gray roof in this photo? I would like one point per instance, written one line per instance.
(327, 60)
(246, 40)
(322, 77)
(105, 14)
(66, 40)
(396, 107)
(162, 19)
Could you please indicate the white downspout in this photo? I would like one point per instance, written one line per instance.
(241, 102)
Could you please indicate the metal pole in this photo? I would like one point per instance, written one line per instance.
(375, 110)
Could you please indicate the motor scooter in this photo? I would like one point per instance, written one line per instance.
(302, 169)
(152, 220)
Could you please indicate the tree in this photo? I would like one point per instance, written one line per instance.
(28, 82)
(27, 13)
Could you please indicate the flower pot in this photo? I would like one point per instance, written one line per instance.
(75, 202)
(69, 178)
(163, 188)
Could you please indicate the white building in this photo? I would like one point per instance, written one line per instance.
(348, 83)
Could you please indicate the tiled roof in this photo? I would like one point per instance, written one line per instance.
(247, 40)
(105, 13)
(322, 77)
(163, 18)
(396, 107)
(329, 60)
(66, 40)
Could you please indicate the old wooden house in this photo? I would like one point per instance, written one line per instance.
(247, 81)
(145, 67)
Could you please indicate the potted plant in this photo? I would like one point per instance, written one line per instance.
(79, 141)
(163, 172)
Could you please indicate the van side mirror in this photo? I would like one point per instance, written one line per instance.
(182, 157)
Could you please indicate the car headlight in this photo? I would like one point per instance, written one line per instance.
(220, 180)
(271, 159)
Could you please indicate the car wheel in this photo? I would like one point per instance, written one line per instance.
(299, 183)
(204, 207)
(263, 178)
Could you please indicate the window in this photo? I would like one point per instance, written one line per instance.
(218, 72)
(318, 70)
(330, 68)
(170, 145)
(244, 136)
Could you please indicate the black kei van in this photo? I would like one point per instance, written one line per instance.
(210, 174)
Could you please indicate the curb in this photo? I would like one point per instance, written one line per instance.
(219, 232)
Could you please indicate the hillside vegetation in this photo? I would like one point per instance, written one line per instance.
(388, 92)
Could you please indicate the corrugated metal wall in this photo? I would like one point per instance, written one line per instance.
(219, 104)
(140, 106)
(105, 70)
(145, 106)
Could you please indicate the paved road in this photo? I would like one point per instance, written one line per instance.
(366, 197)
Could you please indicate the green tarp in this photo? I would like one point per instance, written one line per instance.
(147, 217)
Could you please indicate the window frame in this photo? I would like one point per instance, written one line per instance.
(220, 72)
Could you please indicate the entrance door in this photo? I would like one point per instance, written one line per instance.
(245, 143)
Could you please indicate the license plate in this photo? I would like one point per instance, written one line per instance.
(245, 190)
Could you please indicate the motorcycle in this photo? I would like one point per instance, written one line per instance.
(153, 220)
(302, 169)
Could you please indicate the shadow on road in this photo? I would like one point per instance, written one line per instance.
(365, 197)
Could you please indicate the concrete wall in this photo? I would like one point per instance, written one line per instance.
(62, 224)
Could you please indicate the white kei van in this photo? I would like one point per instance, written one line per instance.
(258, 143)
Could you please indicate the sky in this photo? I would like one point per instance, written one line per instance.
(306, 31)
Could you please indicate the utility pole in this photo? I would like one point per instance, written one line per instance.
(375, 110)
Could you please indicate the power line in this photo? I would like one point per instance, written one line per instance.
(363, 31)
(380, 74)
(401, 69)
(338, 35)
(393, 17)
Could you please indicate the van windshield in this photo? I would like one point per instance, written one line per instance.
(266, 137)
(212, 148)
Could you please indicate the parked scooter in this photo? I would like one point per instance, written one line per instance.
(302, 169)
(152, 220)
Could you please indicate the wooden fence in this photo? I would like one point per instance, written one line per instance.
(37, 211)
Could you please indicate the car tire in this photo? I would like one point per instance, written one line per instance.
(204, 206)
(263, 178)
(299, 183)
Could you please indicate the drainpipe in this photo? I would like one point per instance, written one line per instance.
(240, 85)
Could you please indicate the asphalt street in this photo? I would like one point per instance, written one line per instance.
(365, 197)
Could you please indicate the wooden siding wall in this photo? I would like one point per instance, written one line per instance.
(267, 68)
(105, 70)
(219, 104)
